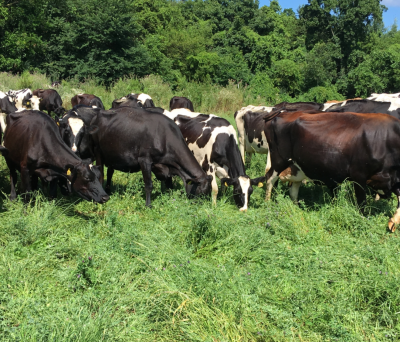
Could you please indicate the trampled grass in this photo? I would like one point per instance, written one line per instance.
(184, 270)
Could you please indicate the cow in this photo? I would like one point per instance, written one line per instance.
(55, 84)
(50, 101)
(383, 97)
(133, 140)
(35, 148)
(213, 142)
(6, 107)
(87, 100)
(73, 132)
(369, 106)
(250, 124)
(144, 99)
(332, 147)
(296, 106)
(125, 102)
(180, 102)
(20, 98)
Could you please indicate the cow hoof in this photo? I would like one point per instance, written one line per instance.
(243, 210)
(392, 226)
(149, 206)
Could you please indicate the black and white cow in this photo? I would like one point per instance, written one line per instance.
(50, 101)
(20, 98)
(144, 99)
(368, 106)
(73, 132)
(6, 107)
(213, 142)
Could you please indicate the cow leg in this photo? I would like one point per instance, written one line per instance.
(35, 182)
(13, 181)
(26, 183)
(360, 195)
(145, 165)
(271, 177)
(294, 192)
(53, 189)
(242, 150)
(110, 172)
(214, 190)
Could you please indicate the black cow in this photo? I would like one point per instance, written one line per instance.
(87, 100)
(133, 140)
(50, 101)
(299, 106)
(331, 147)
(36, 149)
(368, 106)
(180, 102)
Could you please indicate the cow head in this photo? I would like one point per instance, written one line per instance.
(85, 181)
(198, 186)
(242, 189)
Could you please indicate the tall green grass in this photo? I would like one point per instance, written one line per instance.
(206, 97)
(72, 270)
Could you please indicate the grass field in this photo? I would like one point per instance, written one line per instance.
(184, 270)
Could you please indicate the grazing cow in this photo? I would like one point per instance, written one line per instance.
(50, 101)
(133, 140)
(35, 148)
(20, 98)
(360, 147)
(144, 99)
(296, 106)
(180, 102)
(250, 126)
(6, 107)
(369, 106)
(56, 84)
(125, 102)
(213, 142)
(87, 100)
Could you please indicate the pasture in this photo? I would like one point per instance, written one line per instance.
(184, 270)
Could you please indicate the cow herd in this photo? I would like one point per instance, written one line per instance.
(357, 139)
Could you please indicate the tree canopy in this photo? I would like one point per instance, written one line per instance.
(340, 46)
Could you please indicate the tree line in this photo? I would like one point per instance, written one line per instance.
(329, 49)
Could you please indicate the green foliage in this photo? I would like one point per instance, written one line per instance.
(330, 44)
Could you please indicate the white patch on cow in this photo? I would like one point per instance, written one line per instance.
(3, 122)
(327, 106)
(245, 185)
(180, 111)
(143, 97)
(91, 166)
(94, 106)
(394, 104)
(2, 95)
(35, 102)
(296, 180)
(343, 103)
(76, 124)
(18, 96)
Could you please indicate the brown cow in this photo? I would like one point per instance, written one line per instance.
(87, 100)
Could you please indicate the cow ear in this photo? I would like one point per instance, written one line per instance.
(227, 181)
(92, 129)
(258, 181)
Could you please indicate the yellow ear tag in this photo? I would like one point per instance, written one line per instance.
(69, 172)
(226, 184)
(58, 124)
(28, 103)
(260, 185)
